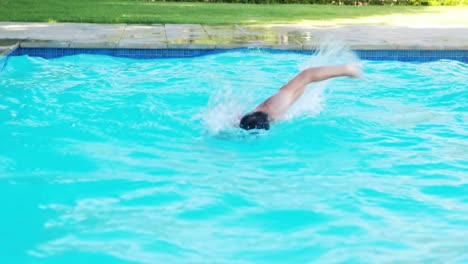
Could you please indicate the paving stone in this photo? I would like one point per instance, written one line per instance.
(144, 33)
(44, 44)
(141, 41)
(87, 44)
(141, 45)
(184, 33)
(191, 46)
(231, 46)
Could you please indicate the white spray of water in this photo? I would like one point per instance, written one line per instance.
(330, 52)
(222, 109)
(224, 106)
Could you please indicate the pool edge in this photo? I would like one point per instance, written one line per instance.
(31, 43)
(5, 54)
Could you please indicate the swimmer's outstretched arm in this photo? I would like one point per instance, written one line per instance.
(317, 74)
(279, 103)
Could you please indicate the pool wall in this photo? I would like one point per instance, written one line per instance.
(398, 55)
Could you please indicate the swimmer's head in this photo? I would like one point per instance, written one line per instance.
(255, 120)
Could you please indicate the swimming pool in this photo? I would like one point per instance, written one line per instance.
(115, 160)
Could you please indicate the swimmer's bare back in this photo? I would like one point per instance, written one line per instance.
(278, 104)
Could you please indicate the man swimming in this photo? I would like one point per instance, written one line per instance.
(278, 104)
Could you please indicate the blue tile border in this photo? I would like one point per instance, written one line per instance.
(398, 55)
(50, 53)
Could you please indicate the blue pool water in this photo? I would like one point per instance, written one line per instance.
(112, 160)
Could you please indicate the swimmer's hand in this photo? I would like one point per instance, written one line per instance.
(354, 70)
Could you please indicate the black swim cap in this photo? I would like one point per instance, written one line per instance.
(255, 120)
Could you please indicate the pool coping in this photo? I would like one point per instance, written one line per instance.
(30, 43)
(195, 36)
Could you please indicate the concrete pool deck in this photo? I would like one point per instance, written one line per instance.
(194, 36)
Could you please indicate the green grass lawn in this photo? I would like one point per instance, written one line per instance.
(134, 11)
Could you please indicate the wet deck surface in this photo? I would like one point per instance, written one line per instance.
(186, 36)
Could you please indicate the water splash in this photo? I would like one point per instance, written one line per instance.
(225, 106)
(331, 51)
